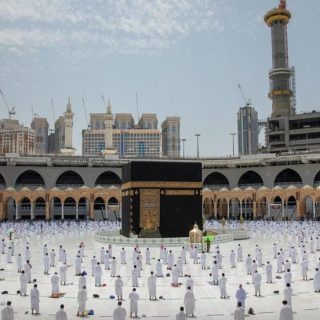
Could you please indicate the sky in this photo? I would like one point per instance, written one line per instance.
(182, 57)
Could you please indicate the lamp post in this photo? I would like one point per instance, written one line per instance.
(232, 135)
(197, 135)
(183, 142)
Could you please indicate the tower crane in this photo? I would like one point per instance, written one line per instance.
(11, 111)
(246, 101)
(85, 112)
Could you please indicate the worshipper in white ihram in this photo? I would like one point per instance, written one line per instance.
(135, 276)
(189, 283)
(46, 264)
(152, 286)
(120, 312)
(35, 299)
(239, 313)
(97, 275)
(63, 274)
(19, 262)
(181, 315)
(257, 283)
(113, 267)
(118, 287)
(286, 312)
(134, 298)
(82, 281)
(148, 259)
(93, 264)
(269, 272)
(159, 269)
(222, 283)
(189, 302)
(82, 300)
(287, 294)
(7, 312)
(316, 281)
(123, 256)
(61, 314)
(77, 265)
(175, 276)
(239, 253)
(55, 284)
(23, 283)
(241, 296)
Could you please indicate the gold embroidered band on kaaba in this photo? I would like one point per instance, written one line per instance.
(162, 184)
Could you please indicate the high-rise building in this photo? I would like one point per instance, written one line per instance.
(286, 131)
(15, 138)
(171, 137)
(128, 140)
(248, 130)
(41, 127)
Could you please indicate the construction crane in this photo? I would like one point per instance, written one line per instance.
(85, 112)
(11, 111)
(246, 101)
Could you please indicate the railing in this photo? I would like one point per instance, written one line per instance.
(30, 186)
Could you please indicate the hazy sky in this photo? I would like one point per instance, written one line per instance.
(183, 57)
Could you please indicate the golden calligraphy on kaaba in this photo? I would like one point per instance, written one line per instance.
(149, 209)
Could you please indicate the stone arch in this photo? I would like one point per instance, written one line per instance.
(316, 179)
(234, 208)
(69, 208)
(39, 209)
(56, 208)
(3, 183)
(99, 208)
(108, 178)
(262, 207)
(30, 179)
(250, 178)
(216, 180)
(25, 208)
(83, 208)
(113, 209)
(222, 208)
(69, 178)
(287, 177)
(247, 208)
(208, 208)
(10, 208)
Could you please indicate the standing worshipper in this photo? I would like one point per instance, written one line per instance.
(175, 276)
(46, 264)
(61, 314)
(63, 274)
(27, 269)
(286, 312)
(93, 264)
(316, 281)
(269, 272)
(107, 261)
(55, 284)
(7, 312)
(215, 273)
(203, 260)
(232, 259)
(239, 253)
(222, 283)
(77, 265)
(183, 255)
(239, 313)
(257, 283)
(134, 297)
(120, 312)
(82, 300)
(287, 294)
(152, 286)
(189, 302)
(159, 269)
(123, 256)
(19, 263)
(181, 314)
(102, 255)
(241, 296)
(52, 258)
(35, 299)
(9, 255)
(135, 276)
(23, 283)
(113, 267)
(304, 269)
(97, 275)
(82, 281)
(148, 260)
(189, 283)
(118, 287)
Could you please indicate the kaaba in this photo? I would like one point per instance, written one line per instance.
(161, 198)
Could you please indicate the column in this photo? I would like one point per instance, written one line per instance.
(282, 209)
(314, 210)
(91, 210)
(48, 211)
(32, 211)
(228, 204)
(17, 210)
(254, 209)
(77, 210)
(62, 211)
(120, 210)
(106, 211)
(215, 209)
(268, 208)
(241, 209)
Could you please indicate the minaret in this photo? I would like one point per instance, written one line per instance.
(68, 127)
(280, 90)
(109, 151)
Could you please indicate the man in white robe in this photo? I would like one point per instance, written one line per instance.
(286, 312)
(82, 281)
(7, 312)
(148, 261)
(118, 287)
(159, 269)
(46, 264)
(232, 259)
(55, 284)
(241, 296)
(222, 283)
(63, 274)
(35, 299)
(61, 314)
(189, 283)
(152, 286)
(27, 270)
(123, 256)
(181, 315)
(239, 253)
(287, 294)
(269, 272)
(97, 275)
(120, 312)
(77, 265)
(52, 258)
(316, 281)
(82, 300)
(113, 267)
(134, 298)
(19, 263)
(189, 302)
(93, 264)
(175, 276)
(239, 313)
(304, 269)
(257, 283)
(107, 260)
(23, 283)
(135, 276)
